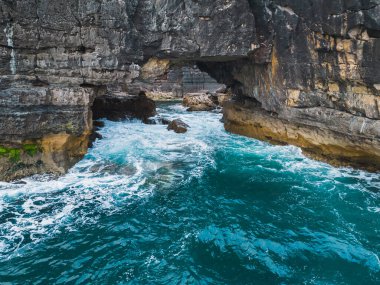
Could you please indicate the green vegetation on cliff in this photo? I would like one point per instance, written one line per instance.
(14, 154)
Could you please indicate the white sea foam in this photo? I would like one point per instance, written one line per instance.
(131, 162)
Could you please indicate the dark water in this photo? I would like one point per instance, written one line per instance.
(148, 206)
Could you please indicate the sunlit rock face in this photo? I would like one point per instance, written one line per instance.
(313, 78)
(310, 63)
(43, 129)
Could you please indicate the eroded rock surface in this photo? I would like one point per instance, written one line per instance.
(43, 129)
(205, 101)
(312, 64)
(315, 69)
(165, 80)
(324, 141)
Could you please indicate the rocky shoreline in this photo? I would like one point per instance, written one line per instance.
(310, 67)
(318, 142)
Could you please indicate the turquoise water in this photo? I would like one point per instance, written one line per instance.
(148, 206)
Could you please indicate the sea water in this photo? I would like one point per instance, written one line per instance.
(149, 206)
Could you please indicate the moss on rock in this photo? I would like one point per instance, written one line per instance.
(14, 153)
(31, 149)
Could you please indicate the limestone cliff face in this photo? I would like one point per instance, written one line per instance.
(57, 56)
(163, 79)
(310, 65)
(319, 79)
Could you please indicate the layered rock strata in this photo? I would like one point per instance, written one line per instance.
(43, 129)
(321, 140)
(307, 64)
(314, 77)
(163, 79)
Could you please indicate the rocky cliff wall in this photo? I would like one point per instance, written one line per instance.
(319, 79)
(167, 80)
(57, 56)
(309, 64)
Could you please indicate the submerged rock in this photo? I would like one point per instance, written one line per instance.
(165, 121)
(98, 124)
(157, 121)
(93, 137)
(178, 126)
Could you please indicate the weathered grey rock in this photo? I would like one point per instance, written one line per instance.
(165, 80)
(314, 63)
(200, 102)
(205, 101)
(43, 129)
(323, 139)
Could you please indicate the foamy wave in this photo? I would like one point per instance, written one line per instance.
(133, 160)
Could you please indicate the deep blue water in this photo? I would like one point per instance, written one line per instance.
(148, 206)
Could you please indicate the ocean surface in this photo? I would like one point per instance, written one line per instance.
(149, 206)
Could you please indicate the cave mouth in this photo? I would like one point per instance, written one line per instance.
(154, 81)
(189, 83)
(120, 106)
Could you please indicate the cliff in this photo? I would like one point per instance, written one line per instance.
(319, 85)
(307, 72)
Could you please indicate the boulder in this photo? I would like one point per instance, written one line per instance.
(178, 126)
(205, 101)
(199, 102)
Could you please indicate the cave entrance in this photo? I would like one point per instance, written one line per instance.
(158, 80)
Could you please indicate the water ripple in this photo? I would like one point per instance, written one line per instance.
(148, 206)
